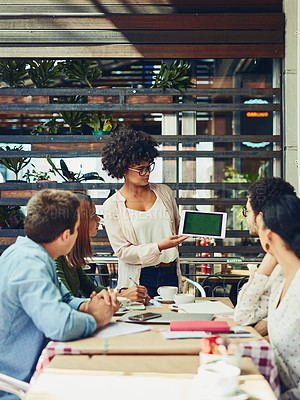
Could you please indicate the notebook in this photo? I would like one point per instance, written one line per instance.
(207, 326)
(167, 317)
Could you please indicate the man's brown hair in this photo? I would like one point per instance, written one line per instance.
(49, 213)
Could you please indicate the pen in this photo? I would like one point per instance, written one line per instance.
(136, 284)
(133, 281)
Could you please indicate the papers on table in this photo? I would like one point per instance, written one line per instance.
(119, 329)
(207, 307)
(154, 304)
(167, 334)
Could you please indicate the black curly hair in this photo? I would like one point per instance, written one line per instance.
(282, 216)
(268, 189)
(127, 146)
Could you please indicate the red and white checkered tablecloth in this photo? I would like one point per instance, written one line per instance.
(263, 357)
(260, 352)
(51, 350)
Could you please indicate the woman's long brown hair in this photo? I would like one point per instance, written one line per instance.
(82, 247)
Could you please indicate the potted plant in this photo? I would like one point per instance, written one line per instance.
(74, 119)
(44, 72)
(11, 217)
(69, 176)
(101, 124)
(177, 76)
(82, 71)
(39, 176)
(14, 164)
(49, 127)
(13, 73)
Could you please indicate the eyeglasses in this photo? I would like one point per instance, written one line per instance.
(95, 215)
(144, 170)
(244, 211)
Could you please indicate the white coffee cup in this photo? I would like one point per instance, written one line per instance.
(183, 298)
(217, 379)
(124, 302)
(167, 292)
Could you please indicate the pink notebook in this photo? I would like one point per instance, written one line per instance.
(208, 326)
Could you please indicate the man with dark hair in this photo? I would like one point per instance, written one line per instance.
(260, 193)
(254, 295)
(34, 305)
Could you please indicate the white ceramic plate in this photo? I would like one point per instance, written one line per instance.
(161, 300)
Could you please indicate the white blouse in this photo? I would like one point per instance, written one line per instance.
(153, 225)
(284, 334)
(253, 299)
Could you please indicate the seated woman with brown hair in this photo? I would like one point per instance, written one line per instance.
(279, 234)
(69, 267)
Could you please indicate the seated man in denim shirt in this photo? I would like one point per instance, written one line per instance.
(34, 305)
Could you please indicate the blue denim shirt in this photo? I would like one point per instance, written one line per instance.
(34, 305)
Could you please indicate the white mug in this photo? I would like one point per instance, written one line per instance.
(167, 292)
(124, 302)
(217, 379)
(181, 298)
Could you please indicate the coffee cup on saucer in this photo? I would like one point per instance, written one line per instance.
(217, 379)
(124, 302)
(183, 298)
(167, 292)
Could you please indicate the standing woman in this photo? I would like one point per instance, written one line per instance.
(142, 218)
(279, 234)
(69, 267)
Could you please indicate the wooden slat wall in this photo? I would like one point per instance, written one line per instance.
(141, 29)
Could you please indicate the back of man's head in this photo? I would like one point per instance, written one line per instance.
(268, 189)
(49, 213)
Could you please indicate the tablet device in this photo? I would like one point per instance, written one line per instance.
(203, 224)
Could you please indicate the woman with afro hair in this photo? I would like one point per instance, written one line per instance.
(141, 219)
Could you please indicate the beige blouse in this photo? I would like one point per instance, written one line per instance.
(131, 254)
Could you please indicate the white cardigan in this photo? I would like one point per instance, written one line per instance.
(131, 255)
(284, 334)
(253, 299)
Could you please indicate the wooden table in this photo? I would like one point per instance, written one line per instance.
(78, 377)
(143, 353)
(149, 342)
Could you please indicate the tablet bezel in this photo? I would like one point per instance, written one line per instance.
(223, 224)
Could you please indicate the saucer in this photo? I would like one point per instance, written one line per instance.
(173, 307)
(161, 300)
(122, 311)
(239, 394)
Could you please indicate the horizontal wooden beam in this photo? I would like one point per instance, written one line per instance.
(88, 139)
(259, 154)
(253, 21)
(123, 107)
(72, 91)
(142, 51)
(141, 36)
